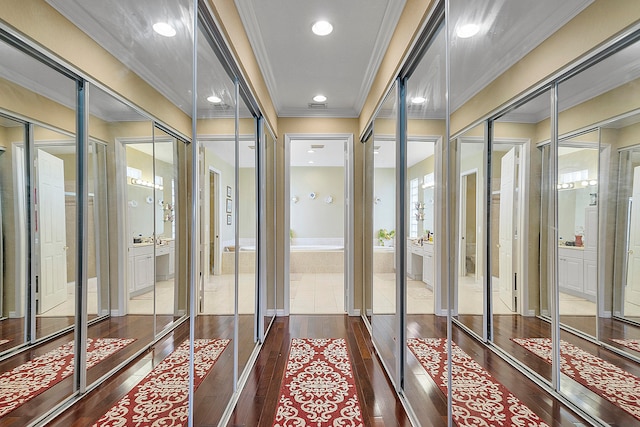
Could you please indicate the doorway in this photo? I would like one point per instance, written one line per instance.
(319, 220)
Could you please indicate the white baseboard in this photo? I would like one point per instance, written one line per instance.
(281, 312)
(182, 312)
(606, 314)
(616, 313)
(369, 312)
(530, 313)
(355, 312)
(115, 313)
(104, 312)
(13, 315)
(271, 312)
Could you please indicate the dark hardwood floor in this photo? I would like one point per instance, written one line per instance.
(258, 400)
(380, 406)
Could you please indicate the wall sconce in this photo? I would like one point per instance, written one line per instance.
(294, 199)
(328, 200)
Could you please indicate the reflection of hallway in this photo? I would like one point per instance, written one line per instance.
(164, 303)
(219, 294)
(317, 293)
(419, 296)
(470, 294)
(576, 306)
(67, 307)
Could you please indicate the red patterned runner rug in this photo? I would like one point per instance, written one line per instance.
(318, 388)
(478, 399)
(28, 380)
(603, 378)
(160, 399)
(632, 344)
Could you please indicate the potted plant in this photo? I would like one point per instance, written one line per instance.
(383, 235)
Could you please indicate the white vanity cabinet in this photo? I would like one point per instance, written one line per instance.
(414, 261)
(570, 270)
(141, 269)
(427, 264)
(165, 261)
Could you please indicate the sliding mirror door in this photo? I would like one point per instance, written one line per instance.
(426, 113)
(13, 223)
(167, 307)
(596, 216)
(387, 278)
(518, 225)
(216, 292)
(470, 219)
(245, 211)
(268, 230)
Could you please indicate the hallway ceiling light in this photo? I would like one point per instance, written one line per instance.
(214, 99)
(310, 151)
(418, 100)
(164, 29)
(319, 98)
(322, 28)
(467, 30)
(311, 162)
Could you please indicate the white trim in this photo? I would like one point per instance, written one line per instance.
(121, 260)
(115, 313)
(282, 312)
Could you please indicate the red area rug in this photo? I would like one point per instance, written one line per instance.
(478, 399)
(318, 388)
(28, 380)
(603, 378)
(632, 344)
(160, 399)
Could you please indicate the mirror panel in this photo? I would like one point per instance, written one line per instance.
(385, 317)
(268, 189)
(247, 225)
(425, 103)
(470, 217)
(216, 289)
(13, 261)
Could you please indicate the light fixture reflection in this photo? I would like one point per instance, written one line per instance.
(164, 29)
(319, 98)
(214, 99)
(322, 28)
(418, 100)
(467, 30)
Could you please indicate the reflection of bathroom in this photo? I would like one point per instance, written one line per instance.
(577, 229)
(150, 195)
(421, 227)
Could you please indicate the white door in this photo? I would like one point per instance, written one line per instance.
(52, 230)
(463, 227)
(632, 290)
(506, 229)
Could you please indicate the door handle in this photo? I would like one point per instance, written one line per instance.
(64, 248)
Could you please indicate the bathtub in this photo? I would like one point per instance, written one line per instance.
(316, 248)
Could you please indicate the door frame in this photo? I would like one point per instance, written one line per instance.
(463, 220)
(349, 218)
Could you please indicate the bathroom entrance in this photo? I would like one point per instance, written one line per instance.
(317, 260)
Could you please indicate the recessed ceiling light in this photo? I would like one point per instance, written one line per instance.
(164, 29)
(319, 98)
(214, 99)
(467, 30)
(310, 162)
(376, 152)
(418, 100)
(310, 151)
(322, 28)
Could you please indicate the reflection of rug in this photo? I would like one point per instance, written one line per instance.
(161, 397)
(318, 386)
(478, 399)
(603, 378)
(632, 344)
(4, 341)
(28, 380)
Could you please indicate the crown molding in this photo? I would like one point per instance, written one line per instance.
(334, 113)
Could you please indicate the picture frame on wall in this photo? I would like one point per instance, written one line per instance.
(228, 219)
(228, 205)
(228, 191)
